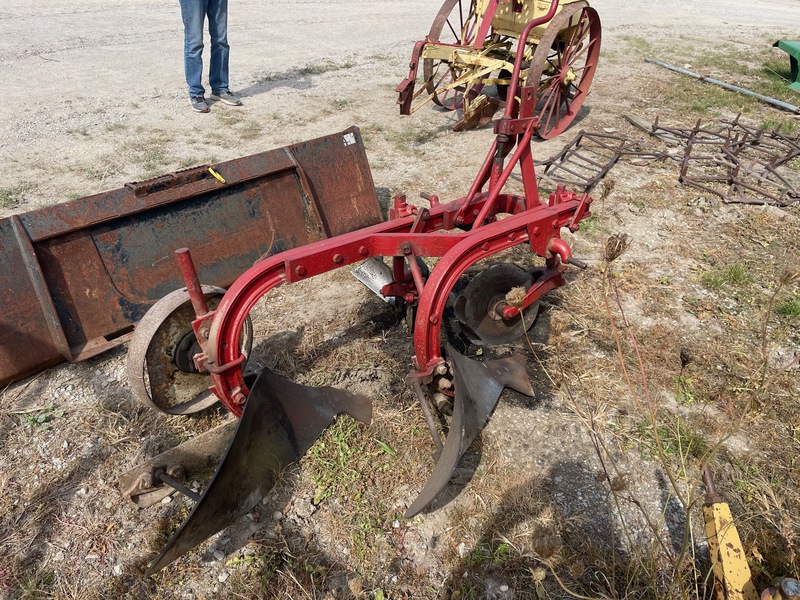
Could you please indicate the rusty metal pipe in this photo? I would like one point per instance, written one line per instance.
(728, 86)
(164, 477)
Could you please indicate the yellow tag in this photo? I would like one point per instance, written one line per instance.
(216, 175)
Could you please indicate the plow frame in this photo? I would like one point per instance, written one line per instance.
(538, 226)
(409, 233)
(460, 233)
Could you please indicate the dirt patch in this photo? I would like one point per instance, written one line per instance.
(595, 480)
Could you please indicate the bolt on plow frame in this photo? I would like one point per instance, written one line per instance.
(280, 420)
(469, 56)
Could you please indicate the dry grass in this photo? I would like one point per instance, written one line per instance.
(672, 355)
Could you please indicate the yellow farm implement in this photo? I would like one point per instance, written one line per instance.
(479, 50)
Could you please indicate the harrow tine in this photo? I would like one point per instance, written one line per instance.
(280, 422)
(478, 386)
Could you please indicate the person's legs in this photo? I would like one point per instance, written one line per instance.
(193, 13)
(220, 50)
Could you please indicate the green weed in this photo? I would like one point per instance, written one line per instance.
(684, 388)
(677, 440)
(789, 308)
(334, 454)
(341, 103)
(412, 134)
(41, 419)
(485, 555)
(36, 585)
(641, 45)
(590, 225)
(9, 197)
(729, 275)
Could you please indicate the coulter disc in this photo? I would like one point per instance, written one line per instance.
(477, 306)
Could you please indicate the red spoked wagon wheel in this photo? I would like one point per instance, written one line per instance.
(563, 67)
(456, 23)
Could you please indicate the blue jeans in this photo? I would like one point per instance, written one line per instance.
(194, 13)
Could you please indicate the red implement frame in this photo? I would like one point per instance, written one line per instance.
(412, 232)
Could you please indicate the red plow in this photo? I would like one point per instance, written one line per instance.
(191, 347)
(279, 420)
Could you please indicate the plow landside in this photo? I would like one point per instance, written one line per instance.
(76, 277)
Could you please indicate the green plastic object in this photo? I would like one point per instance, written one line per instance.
(793, 50)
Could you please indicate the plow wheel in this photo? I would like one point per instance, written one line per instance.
(478, 306)
(456, 23)
(160, 365)
(563, 67)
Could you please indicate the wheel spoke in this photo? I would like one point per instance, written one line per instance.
(456, 36)
(563, 67)
(469, 34)
(576, 39)
(551, 101)
(444, 76)
(450, 28)
(576, 48)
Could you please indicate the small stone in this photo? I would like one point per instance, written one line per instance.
(223, 577)
(395, 524)
(304, 508)
(504, 588)
(59, 557)
(117, 570)
(219, 555)
(461, 549)
(277, 515)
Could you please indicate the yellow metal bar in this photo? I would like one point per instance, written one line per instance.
(732, 578)
(463, 57)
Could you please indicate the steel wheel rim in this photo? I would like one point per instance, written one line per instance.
(563, 70)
